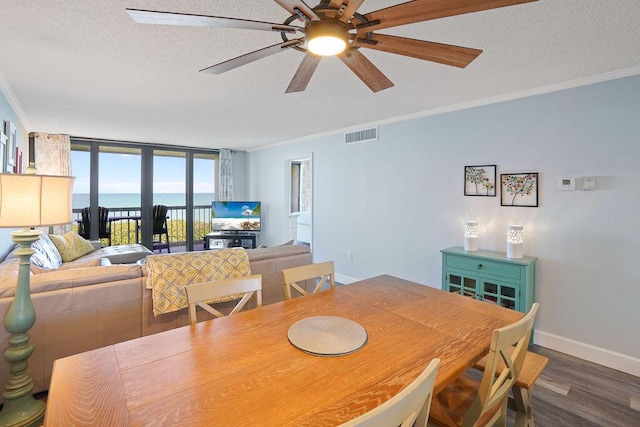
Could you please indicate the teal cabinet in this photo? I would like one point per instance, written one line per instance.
(490, 276)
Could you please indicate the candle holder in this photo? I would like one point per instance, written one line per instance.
(471, 236)
(515, 234)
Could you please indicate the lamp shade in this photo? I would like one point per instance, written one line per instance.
(515, 240)
(471, 236)
(35, 200)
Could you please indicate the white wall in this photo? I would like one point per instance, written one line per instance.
(22, 137)
(396, 202)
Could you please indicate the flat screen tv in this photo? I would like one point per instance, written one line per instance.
(235, 216)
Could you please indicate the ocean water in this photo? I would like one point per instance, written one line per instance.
(132, 200)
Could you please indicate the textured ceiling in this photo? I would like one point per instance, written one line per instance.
(85, 68)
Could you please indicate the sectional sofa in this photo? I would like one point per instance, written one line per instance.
(91, 306)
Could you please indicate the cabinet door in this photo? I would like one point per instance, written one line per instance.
(500, 293)
(461, 283)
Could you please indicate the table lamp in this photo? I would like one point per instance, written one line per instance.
(515, 235)
(471, 236)
(27, 201)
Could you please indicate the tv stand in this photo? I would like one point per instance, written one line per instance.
(235, 240)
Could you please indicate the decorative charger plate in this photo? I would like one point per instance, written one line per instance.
(327, 336)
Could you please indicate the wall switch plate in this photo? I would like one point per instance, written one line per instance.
(589, 183)
(566, 184)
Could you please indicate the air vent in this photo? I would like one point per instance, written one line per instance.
(361, 136)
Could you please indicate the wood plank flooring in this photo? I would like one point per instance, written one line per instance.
(574, 392)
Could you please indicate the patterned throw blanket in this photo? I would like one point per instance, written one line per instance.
(168, 274)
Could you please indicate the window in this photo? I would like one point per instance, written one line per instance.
(130, 178)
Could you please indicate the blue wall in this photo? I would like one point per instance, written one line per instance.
(8, 113)
(396, 202)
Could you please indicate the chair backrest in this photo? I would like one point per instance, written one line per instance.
(410, 405)
(159, 219)
(494, 389)
(207, 293)
(84, 228)
(292, 277)
(103, 221)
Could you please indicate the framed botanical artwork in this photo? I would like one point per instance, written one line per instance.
(519, 189)
(3, 150)
(10, 149)
(480, 180)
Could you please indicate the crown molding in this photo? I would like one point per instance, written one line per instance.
(570, 84)
(5, 88)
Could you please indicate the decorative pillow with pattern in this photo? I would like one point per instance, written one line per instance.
(46, 254)
(71, 245)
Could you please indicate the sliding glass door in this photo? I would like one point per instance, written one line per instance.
(129, 179)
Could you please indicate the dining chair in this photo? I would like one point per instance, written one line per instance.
(293, 277)
(160, 228)
(204, 294)
(410, 405)
(104, 225)
(469, 403)
(522, 391)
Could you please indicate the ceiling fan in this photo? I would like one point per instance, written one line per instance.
(335, 28)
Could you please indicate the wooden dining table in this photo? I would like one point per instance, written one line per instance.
(242, 370)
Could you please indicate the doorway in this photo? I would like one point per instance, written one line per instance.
(299, 181)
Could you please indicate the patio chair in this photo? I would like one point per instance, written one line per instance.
(160, 228)
(104, 225)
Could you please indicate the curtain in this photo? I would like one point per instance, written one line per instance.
(52, 156)
(225, 182)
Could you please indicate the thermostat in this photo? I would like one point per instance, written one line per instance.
(589, 183)
(566, 184)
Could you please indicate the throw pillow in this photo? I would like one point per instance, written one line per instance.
(71, 245)
(290, 242)
(46, 254)
(87, 264)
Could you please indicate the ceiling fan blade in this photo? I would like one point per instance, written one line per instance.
(349, 10)
(298, 7)
(425, 10)
(365, 70)
(456, 56)
(186, 19)
(303, 74)
(250, 57)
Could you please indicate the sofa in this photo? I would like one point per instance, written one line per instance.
(82, 306)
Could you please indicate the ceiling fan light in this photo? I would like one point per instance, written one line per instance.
(326, 45)
(326, 39)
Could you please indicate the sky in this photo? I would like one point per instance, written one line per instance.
(120, 173)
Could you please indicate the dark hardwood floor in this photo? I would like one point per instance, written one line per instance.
(576, 393)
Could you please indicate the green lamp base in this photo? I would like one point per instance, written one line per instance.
(20, 408)
(24, 412)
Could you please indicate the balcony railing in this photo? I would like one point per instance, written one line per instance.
(126, 230)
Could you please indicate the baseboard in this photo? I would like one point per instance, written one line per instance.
(345, 280)
(601, 356)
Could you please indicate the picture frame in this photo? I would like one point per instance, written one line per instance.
(3, 150)
(480, 180)
(10, 149)
(519, 189)
(17, 168)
